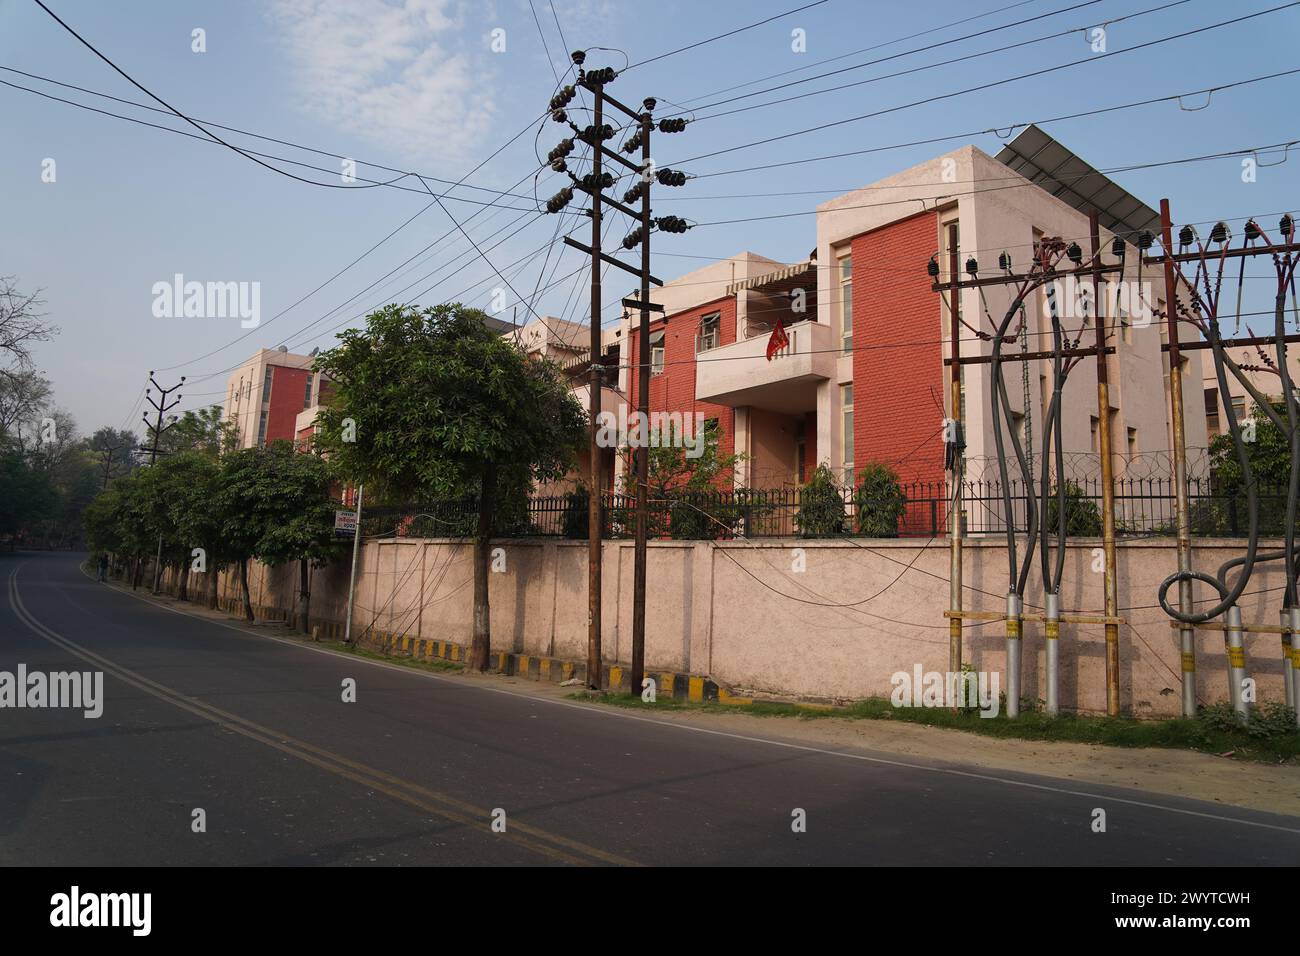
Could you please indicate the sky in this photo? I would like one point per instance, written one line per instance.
(99, 213)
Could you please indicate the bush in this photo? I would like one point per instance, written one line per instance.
(1082, 516)
(821, 506)
(879, 501)
(1268, 721)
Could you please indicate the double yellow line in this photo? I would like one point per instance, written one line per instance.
(553, 846)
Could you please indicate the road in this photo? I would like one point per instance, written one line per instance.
(253, 731)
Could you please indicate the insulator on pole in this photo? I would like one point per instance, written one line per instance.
(672, 224)
(563, 98)
(633, 143)
(1074, 253)
(1145, 241)
(972, 267)
(562, 149)
(1187, 236)
(671, 177)
(1220, 232)
(1252, 230)
(592, 183)
(1286, 225)
(560, 200)
(635, 193)
(1117, 248)
(672, 125)
(1004, 262)
(633, 238)
(932, 267)
(560, 116)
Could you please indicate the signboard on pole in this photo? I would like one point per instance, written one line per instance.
(345, 524)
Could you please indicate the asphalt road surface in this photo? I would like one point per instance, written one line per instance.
(254, 732)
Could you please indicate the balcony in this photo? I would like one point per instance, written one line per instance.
(739, 374)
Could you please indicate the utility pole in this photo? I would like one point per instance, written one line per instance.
(1182, 507)
(352, 575)
(1107, 474)
(594, 184)
(156, 430)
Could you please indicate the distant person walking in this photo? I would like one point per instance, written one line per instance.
(103, 567)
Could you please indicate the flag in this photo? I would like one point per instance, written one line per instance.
(778, 341)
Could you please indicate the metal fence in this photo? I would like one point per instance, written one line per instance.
(1143, 507)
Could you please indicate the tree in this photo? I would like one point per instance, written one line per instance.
(116, 452)
(203, 430)
(690, 486)
(21, 326)
(440, 407)
(298, 513)
(879, 501)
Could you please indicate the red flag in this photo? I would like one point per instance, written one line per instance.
(778, 341)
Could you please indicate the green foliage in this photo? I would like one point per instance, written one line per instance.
(439, 401)
(879, 501)
(687, 501)
(1269, 720)
(821, 506)
(1270, 462)
(276, 505)
(1082, 516)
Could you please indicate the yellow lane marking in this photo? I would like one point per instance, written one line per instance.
(431, 801)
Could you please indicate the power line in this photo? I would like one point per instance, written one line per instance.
(992, 84)
(842, 56)
(157, 99)
(927, 66)
(723, 36)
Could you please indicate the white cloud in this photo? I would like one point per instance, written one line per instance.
(403, 74)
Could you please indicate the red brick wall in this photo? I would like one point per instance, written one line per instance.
(673, 390)
(288, 385)
(898, 391)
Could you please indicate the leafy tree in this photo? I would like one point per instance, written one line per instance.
(275, 505)
(684, 492)
(821, 506)
(116, 452)
(202, 430)
(879, 501)
(441, 407)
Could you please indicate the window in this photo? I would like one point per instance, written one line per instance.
(266, 385)
(1092, 427)
(1212, 411)
(710, 333)
(1132, 443)
(845, 273)
(261, 430)
(846, 429)
(1239, 408)
(656, 352)
(306, 392)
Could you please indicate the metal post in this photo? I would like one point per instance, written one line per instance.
(595, 677)
(1288, 684)
(1107, 478)
(1295, 662)
(1186, 634)
(1013, 654)
(955, 496)
(1051, 634)
(1233, 643)
(352, 576)
(643, 407)
(157, 429)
